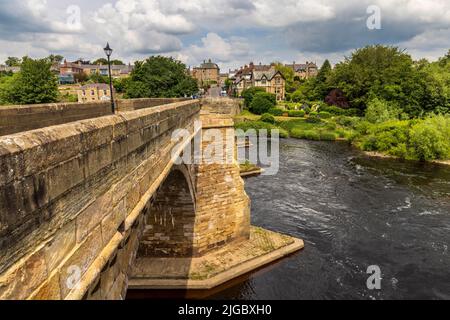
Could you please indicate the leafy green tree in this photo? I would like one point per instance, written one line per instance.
(389, 74)
(98, 78)
(160, 77)
(55, 58)
(248, 95)
(35, 83)
(13, 62)
(104, 61)
(262, 103)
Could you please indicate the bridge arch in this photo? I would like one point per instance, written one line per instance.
(170, 220)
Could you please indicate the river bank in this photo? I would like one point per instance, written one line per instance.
(424, 140)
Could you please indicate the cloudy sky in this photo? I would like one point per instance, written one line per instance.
(231, 32)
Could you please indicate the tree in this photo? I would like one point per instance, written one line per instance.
(389, 74)
(98, 78)
(55, 58)
(13, 62)
(159, 77)
(261, 104)
(249, 93)
(104, 61)
(35, 83)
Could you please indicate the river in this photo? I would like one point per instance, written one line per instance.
(353, 212)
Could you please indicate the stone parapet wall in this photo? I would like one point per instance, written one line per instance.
(14, 119)
(70, 198)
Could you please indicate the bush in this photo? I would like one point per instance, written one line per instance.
(324, 115)
(260, 104)
(313, 118)
(430, 139)
(277, 112)
(379, 111)
(296, 114)
(259, 125)
(268, 118)
(328, 136)
(333, 110)
(249, 94)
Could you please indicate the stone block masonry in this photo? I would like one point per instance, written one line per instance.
(66, 193)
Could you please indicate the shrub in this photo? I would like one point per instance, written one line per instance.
(260, 104)
(296, 114)
(276, 112)
(430, 138)
(352, 112)
(259, 125)
(312, 135)
(313, 118)
(249, 94)
(324, 115)
(328, 136)
(268, 118)
(333, 110)
(379, 111)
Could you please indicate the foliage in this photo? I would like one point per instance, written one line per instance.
(388, 74)
(258, 126)
(430, 138)
(98, 78)
(13, 62)
(297, 113)
(379, 111)
(248, 95)
(276, 112)
(262, 102)
(159, 77)
(288, 74)
(120, 84)
(35, 83)
(266, 117)
(104, 61)
(337, 98)
(325, 115)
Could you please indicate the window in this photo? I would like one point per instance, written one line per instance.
(84, 92)
(263, 82)
(92, 92)
(105, 92)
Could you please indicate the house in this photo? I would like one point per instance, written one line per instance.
(94, 92)
(84, 67)
(262, 76)
(304, 71)
(70, 68)
(117, 71)
(207, 74)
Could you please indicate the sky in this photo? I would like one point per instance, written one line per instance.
(230, 32)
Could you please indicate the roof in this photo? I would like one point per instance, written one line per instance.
(208, 65)
(101, 86)
(301, 66)
(269, 75)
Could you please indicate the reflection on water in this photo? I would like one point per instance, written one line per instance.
(353, 212)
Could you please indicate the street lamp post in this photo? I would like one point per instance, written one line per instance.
(108, 52)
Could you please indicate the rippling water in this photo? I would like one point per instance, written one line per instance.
(353, 212)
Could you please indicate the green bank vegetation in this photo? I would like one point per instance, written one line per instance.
(379, 99)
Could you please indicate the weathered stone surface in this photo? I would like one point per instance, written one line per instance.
(79, 262)
(93, 215)
(60, 246)
(24, 278)
(50, 290)
(96, 188)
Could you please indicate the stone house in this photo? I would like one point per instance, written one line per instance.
(304, 70)
(263, 76)
(207, 74)
(94, 92)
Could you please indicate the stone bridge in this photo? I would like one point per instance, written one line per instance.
(91, 208)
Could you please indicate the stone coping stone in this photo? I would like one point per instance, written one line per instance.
(214, 268)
